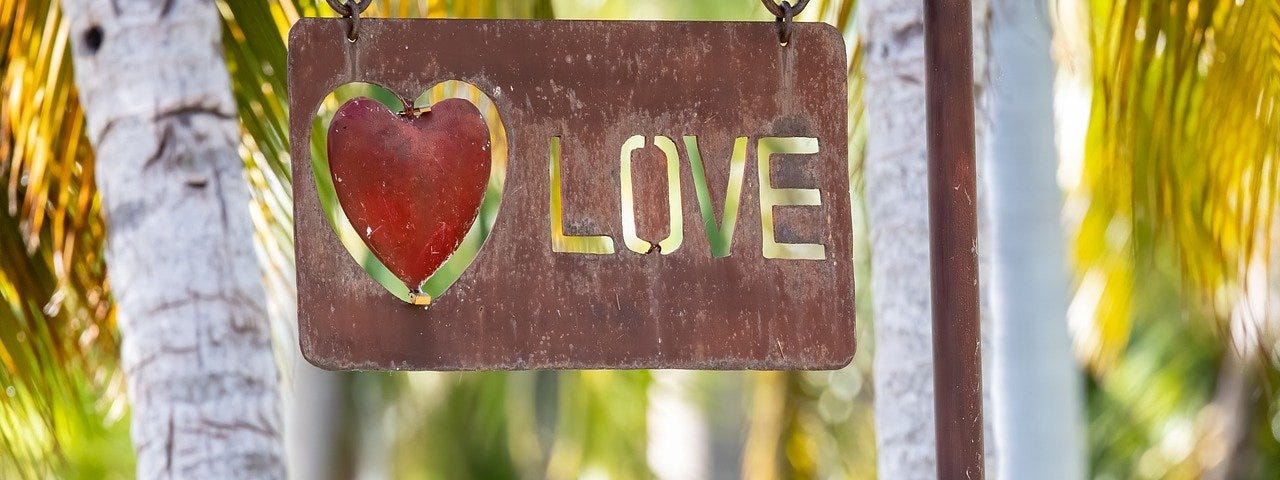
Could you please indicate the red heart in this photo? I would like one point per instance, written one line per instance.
(411, 183)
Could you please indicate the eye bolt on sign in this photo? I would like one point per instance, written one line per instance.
(505, 194)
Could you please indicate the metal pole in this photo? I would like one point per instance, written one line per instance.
(957, 359)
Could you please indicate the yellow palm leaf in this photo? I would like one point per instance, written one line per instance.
(1180, 158)
(57, 336)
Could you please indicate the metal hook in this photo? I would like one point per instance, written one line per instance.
(350, 10)
(784, 12)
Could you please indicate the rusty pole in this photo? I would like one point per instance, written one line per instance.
(957, 359)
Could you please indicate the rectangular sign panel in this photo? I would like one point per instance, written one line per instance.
(661, 195)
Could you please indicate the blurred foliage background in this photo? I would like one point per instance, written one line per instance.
(1171, 197)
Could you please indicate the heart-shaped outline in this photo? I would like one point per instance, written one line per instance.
(460, 260)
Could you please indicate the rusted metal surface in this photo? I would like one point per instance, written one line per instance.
(957, 355)
(520, 305)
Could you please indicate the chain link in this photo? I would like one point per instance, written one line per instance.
(784, 12)
(351, 10)
(347, 8)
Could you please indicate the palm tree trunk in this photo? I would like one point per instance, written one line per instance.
(1035, 371)
(897, 208)
(196, 346)
(318, 423)
(677, 429)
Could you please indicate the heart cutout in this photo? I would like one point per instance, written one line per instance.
(411, 192)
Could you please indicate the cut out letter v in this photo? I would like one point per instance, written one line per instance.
(720, 237)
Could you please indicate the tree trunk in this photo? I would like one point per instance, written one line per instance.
(1035, 371)
(196, 346)
(318, 423)
(898, 218)
(677, 430)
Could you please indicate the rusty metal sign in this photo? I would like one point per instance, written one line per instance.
(670, 195)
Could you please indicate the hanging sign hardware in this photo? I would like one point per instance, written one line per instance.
(350, 10)
(784, 12)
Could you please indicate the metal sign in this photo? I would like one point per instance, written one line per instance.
(675, 195)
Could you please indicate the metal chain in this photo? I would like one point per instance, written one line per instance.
(784, 12)
(351, 10)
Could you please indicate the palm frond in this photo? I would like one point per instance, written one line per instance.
(253, 37)
(1180, 159)
(1180, 179)
(57, 333)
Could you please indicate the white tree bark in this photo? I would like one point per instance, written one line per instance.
(315, 412)
(1038, 393)
(678, 439)
(196, 348)
(898, 218)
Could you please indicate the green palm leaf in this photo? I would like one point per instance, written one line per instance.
(1180, 178)
(57, 334)
(1180, 159)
